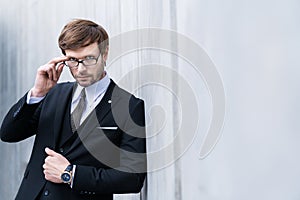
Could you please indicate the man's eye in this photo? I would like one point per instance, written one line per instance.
(89, 58)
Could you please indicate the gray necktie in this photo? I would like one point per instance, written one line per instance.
(77, 113)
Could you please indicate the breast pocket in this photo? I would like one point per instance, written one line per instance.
(111, 133)
(104, 145)
(106, 134)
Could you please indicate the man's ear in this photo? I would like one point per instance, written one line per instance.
(105, 54)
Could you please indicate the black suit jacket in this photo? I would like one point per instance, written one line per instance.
(108, 149)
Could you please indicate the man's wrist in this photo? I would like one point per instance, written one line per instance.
(37, 93)
(32, 100)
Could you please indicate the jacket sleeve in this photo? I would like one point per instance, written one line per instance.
(21, 121)
(129, 176)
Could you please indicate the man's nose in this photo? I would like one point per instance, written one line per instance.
(81, 67)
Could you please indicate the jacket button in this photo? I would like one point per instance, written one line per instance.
(46, 193)
(61, 150)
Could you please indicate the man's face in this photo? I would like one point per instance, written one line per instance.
(87, 75)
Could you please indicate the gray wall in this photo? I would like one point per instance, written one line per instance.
(254, 46)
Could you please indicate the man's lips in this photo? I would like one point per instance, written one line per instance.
(82, 77)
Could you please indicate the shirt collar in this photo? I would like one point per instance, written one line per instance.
(93, 91)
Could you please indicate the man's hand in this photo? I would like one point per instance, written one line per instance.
(47, 76)
(54, 166)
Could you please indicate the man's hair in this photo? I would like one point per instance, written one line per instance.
(81, 33)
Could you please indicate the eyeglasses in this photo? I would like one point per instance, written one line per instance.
(74, 62)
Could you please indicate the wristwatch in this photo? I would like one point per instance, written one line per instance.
(66, 176)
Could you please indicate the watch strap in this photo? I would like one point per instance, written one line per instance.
(69, 168)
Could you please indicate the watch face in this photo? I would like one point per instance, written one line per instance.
(66, 177)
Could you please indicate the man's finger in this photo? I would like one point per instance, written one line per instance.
(50, 73)
(60, 69)
(58, 60)
(50, 152)
(54, 72)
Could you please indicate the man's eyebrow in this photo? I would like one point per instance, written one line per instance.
(87, 56)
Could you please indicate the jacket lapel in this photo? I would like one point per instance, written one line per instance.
(106, 102)
(63, 99)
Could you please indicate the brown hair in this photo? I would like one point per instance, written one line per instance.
(81, 33)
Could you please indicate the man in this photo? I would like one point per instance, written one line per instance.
(89, 134)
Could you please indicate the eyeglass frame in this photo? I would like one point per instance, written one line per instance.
(82, 62)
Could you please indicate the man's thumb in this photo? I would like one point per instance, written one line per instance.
(50, 152)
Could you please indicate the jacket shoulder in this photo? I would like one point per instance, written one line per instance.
(61, 87)
(125, 95)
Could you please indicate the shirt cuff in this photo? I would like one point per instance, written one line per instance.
(33, 100)
(73, 175)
